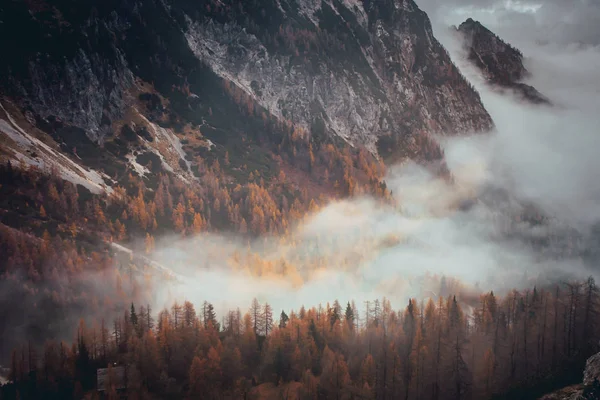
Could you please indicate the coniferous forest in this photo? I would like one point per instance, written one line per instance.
(455, 345)
(520, 345)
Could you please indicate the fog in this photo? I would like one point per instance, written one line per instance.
(361, 249)
(53, 309)
(546, 154)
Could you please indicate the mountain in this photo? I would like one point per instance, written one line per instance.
(500, 63)
(226, 74)
(125, 120)
(221, 124)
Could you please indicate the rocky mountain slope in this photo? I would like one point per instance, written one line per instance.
(501, 64)
(113, 85)
(359, 70)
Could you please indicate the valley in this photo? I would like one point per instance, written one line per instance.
(166, 164)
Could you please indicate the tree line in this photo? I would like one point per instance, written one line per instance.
(520, 345)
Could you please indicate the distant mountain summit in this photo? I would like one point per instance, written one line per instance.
(501, 63)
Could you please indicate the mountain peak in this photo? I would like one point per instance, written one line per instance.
(501, 63)
(470, 21)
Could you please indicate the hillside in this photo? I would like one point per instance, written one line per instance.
(304, 99)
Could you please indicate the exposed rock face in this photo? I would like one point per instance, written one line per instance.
(569, 393)
(360, 70)
(501, 64)
(71, 71)
(369, 72)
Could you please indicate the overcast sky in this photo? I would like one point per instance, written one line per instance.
(555, 21)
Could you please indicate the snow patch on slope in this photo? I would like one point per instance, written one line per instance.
(49, 158)
(177, 146)
(168, 148)
(140, 169)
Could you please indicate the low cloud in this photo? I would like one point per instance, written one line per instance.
(362, 249)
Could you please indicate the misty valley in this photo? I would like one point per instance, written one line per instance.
(299, 199)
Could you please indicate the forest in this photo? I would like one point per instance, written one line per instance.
(55, 236)
(520, 345)
(55, 239)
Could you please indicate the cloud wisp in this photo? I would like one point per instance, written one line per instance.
(548, 21)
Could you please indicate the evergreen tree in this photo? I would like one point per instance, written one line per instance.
(267, 319)
(283, 320)
(349, 316)
(209, 316)
(133, 316)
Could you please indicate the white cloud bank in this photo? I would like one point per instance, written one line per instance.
(362, 250)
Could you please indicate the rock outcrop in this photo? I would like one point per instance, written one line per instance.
(591, 374)
(500, 63)
(588, 390)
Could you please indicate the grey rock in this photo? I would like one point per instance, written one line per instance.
(369, 72)
(399, 81)
(592, 370)
(82, 92)
(589, 390)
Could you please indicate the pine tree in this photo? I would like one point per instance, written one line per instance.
(209, 317)
(198, 385)
(267, 319)
(149, 319)
(177, 315)
(489, 363)
(133, 316)
(189, 314)
(335, 314)
(283, 320)
(198, 223)
(257, 317)
(349, 317)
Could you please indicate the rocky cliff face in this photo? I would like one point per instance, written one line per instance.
(501, 64)
(64, 66)
(360, 73)
(360, 70)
